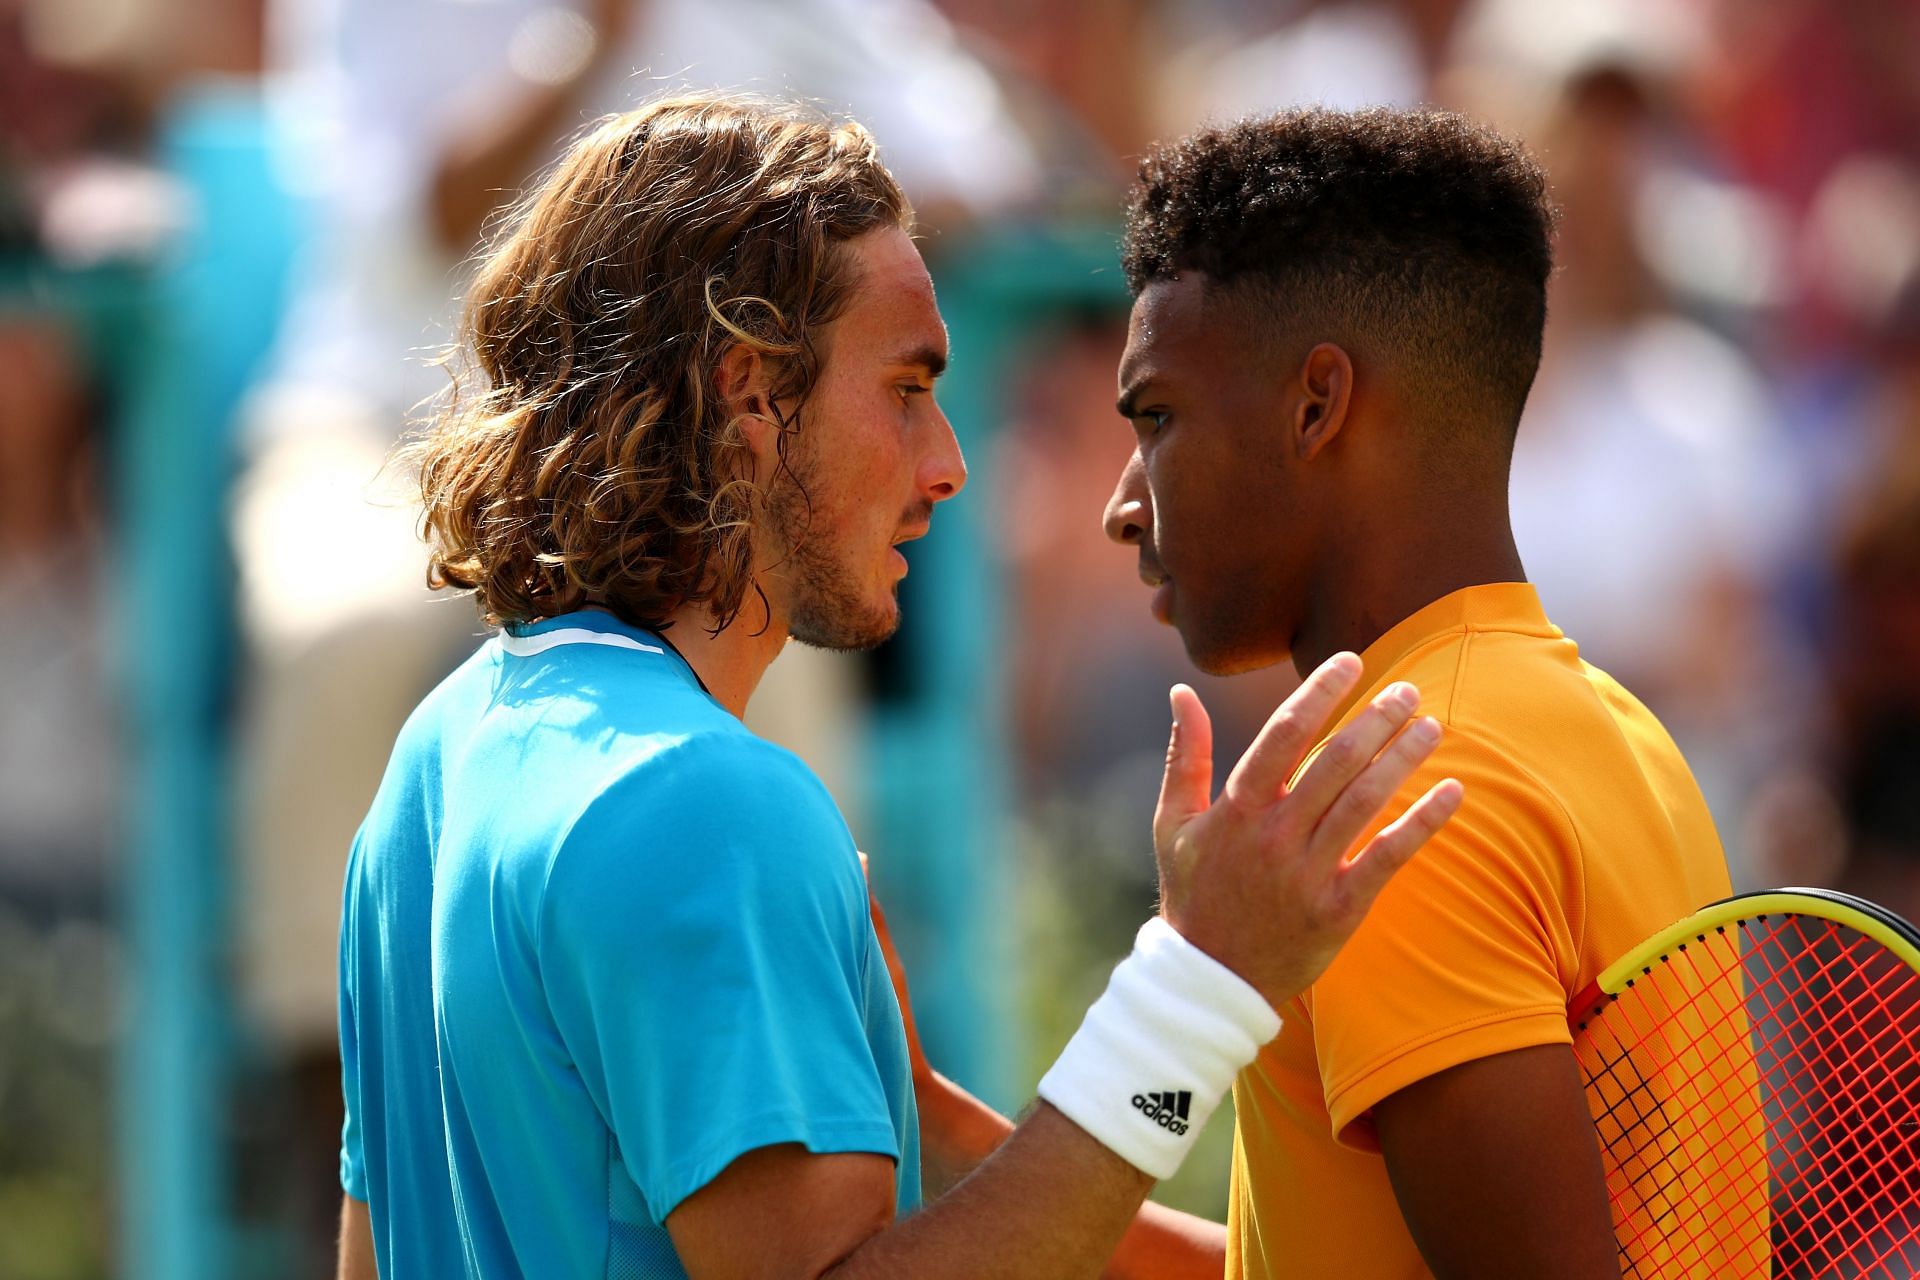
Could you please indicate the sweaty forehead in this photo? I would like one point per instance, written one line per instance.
(1174, 323)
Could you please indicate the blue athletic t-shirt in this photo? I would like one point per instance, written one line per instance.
(598, 941)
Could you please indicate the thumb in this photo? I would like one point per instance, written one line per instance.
(1186, 790)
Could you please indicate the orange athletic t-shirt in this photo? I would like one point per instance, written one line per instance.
(1582, 832)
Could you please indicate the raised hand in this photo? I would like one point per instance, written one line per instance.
(1260, 879)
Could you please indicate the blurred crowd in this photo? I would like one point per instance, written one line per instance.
(1717, 483)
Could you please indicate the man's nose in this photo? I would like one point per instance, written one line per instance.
(1129, 511)
(943, 473)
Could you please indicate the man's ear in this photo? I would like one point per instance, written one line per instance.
(1325, 390)
(741, 380)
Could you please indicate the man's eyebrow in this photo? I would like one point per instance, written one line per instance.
(929, 357)
(1130, 396)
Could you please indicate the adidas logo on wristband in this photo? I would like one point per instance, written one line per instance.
(1170, 1011)
(1167, 1109)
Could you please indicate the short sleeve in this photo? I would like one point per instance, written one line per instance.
(705, 945)
(353, 1161)
(1468, 951)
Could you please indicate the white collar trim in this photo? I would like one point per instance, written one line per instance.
(527, 646)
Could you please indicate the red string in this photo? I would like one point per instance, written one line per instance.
(1757, 1096)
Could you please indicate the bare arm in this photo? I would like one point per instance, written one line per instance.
(958, 1132)
(1498, 1172)
(1166, 1244)
(1259, 880)
(1051, 1202)
(356, 1242)
(514, 134)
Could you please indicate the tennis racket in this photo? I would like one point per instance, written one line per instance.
(1754, 1075)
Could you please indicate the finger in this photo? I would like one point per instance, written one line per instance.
(1358, 807)
(1367, 873)
(1291, 731)
(1340, 761)
(1186, 789)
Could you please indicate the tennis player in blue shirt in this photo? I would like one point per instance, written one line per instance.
(612, 1002)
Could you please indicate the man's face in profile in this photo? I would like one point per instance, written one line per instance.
(1210, 498)
(872, 455)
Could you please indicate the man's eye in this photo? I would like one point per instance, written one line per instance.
(1151, 422)
(907, 390)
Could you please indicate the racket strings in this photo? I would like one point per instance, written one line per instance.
(1757, 1096)
(1846, 1173)
(1648, 1060)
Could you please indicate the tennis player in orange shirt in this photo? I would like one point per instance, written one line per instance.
(1337, 318)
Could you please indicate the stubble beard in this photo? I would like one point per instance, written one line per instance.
(826, 609)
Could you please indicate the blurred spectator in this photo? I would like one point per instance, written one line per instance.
(1875, 609)
(1796, 88)
(1078, 71)
(82, 212)
(1649, 497)
(1879, 691)
(57, 745)
(1343, 54)
(62, 124)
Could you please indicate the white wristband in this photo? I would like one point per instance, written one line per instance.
(1158, 1050)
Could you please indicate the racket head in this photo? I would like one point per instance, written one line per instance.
(1754, 1076)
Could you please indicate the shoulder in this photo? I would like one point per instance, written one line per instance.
(717, 815)
(1514, 846)
(718, 778)
(446, 713)
(1520, 710)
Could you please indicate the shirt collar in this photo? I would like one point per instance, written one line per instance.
(1493, 606)
(590, 626)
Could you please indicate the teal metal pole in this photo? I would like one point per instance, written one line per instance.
(940, 755)
(211, 312)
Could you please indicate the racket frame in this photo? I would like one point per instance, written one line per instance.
(1876, 922)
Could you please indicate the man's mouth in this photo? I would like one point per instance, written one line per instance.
(1156, 577)
(894, 555)
(1162, 605)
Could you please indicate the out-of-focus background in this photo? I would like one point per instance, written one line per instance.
(231, 233)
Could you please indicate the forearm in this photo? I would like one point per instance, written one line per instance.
(957, 1132)
(356, 1242)
(1051, 1203)
(1165, 1244)
(1183, 1014)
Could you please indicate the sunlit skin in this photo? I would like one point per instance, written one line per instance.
(873, 454)
(1211, 498)
(1282, 495)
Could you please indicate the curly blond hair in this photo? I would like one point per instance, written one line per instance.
(583, 457)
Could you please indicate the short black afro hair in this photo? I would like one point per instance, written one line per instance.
(1416, 231)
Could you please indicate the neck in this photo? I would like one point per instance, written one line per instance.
(1399, 570)
(730, 663)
